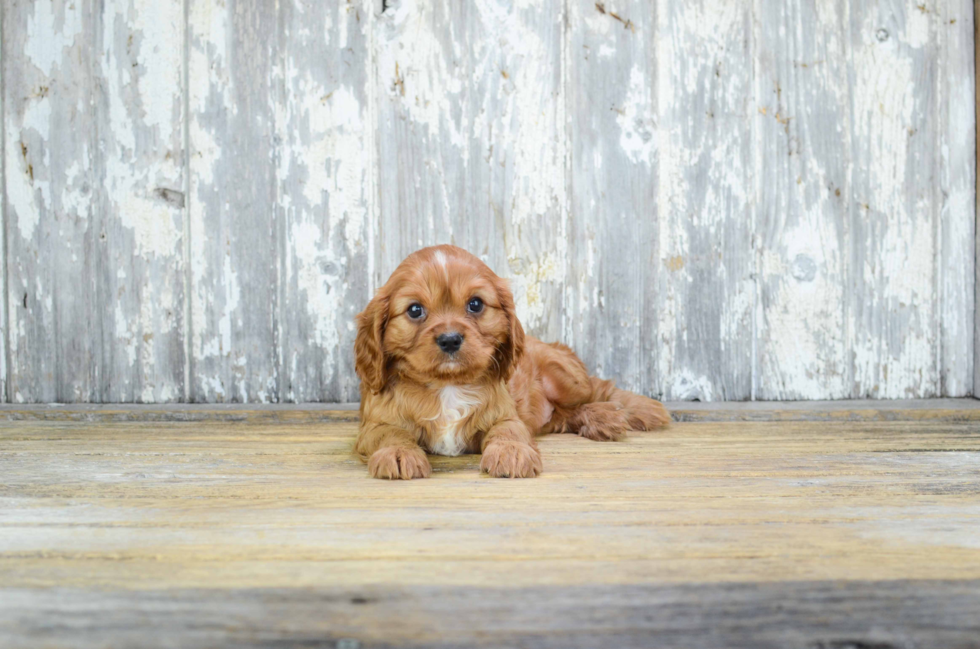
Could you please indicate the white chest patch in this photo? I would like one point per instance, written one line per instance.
(457, 403)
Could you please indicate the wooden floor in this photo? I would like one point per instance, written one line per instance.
(842, 533)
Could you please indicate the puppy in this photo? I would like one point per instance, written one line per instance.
(446, 369)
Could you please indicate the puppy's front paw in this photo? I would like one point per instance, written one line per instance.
(393, 463)
(510, 459)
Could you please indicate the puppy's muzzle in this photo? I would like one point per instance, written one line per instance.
(450, 342)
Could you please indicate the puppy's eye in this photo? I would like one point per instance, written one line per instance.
(415, 311)
(475, 305)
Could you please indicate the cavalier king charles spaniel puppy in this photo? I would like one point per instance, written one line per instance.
(446, 369)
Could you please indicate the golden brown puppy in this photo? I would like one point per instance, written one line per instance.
(446, 368)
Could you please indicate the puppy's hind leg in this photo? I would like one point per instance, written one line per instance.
(641, 412)
(602, 421)
(589, 406)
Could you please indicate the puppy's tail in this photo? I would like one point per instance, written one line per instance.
(643, 413)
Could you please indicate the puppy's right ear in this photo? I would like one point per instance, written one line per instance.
(369, 357)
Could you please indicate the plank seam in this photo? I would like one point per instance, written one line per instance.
(97, 390)
(937, 199)
(757, 192)
(188, 269)
(847, 222)
(374, 173)
(564, 322)
(976, 203)
(374, 220)
(280, 107)
(5, 394)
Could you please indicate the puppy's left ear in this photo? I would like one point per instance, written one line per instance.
(510, 351)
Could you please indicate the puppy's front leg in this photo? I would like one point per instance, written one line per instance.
(509, 451)
(391, 453)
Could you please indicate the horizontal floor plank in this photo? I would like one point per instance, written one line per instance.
(807, 615)
(269, 533)
(967, 409)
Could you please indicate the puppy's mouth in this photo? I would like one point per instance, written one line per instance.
(450, 364)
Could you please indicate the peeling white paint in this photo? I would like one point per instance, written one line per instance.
(637, 128)
(50, 33)
(322, 300)
(899, 260)
(418, 72)
(686, 386)
(29, 192)
(159, 25)
(476, 110)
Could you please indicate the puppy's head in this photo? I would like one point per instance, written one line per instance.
(442, 316)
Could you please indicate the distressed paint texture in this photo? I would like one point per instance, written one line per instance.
(752, 199)
(802, 128)
(471, 141)
(94, 164)
(705, 199)
(611, 306)
(956, 195)
(235, 238)
(894, 207)
(325, 183)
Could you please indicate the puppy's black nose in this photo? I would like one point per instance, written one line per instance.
(450, 342)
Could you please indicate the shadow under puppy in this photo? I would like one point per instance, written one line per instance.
(446, 368)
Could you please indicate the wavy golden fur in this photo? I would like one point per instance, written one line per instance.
(446, 368)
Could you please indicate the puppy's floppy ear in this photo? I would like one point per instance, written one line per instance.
(369, 357)
(510, 351)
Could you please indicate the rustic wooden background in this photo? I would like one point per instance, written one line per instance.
(769, 199)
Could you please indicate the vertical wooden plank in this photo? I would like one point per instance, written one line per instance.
(325, 185)
(235, 239)
(52, 185)
(613, 254)
(141, 207)
(705, 199)
(893, 288)
(803, 163)
(957, 198)
(92, 129)
(470, 140)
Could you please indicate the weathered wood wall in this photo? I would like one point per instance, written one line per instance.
(768, 199)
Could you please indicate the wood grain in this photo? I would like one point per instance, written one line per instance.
(94, 201)
(893, 265)
(611, 306)
(235, 237)
(804, 170)
(768, 200)
(884, 615)
(957, 195)
(55, 337)
(706, 291)
(471, 142)
(787, 533)
(936, 410)
(324, 202)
